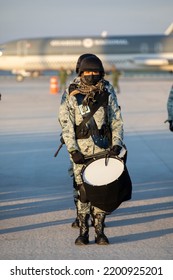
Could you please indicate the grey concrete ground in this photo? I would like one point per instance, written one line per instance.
(36, 204)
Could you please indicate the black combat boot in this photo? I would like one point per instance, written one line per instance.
(100, 237)
(83, 238)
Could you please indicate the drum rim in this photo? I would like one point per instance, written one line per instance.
(100, 157)
(95, 159)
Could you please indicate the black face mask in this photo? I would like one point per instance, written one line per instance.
(91, 79)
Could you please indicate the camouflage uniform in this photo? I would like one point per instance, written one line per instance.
(170, 105)
(63, 79)
(170, 109)
(115, 79)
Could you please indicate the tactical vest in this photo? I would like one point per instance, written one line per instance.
(101, 137)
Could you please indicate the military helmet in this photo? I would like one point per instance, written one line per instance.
(91, 63)
(80, 60)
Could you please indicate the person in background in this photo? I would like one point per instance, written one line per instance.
(115, 78)
(63, 79)
(88, 90)
(170, 109)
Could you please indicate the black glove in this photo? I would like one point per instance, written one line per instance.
(77, 157)
(115, 150)
(171, 125)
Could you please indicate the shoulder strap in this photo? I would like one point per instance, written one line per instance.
(102, 98)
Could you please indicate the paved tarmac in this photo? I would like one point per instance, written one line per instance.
(36, 204)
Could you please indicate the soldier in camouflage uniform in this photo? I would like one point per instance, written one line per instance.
(170, 109)
(71, 113)
(115, 78)
(75, 223)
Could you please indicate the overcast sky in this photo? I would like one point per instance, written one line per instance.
(26, 18)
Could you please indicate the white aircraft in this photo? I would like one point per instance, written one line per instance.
(29, 57)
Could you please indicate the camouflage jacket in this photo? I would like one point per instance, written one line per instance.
(170, 105)
(70, 116)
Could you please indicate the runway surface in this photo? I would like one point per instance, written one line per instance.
(36, 203)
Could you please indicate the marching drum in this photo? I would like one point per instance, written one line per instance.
(107, 182)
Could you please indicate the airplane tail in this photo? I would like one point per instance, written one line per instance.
(169, 30)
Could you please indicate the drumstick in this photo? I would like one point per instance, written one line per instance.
(104, 153)
(58, 149)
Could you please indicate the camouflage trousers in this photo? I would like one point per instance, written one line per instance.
(86, 208)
